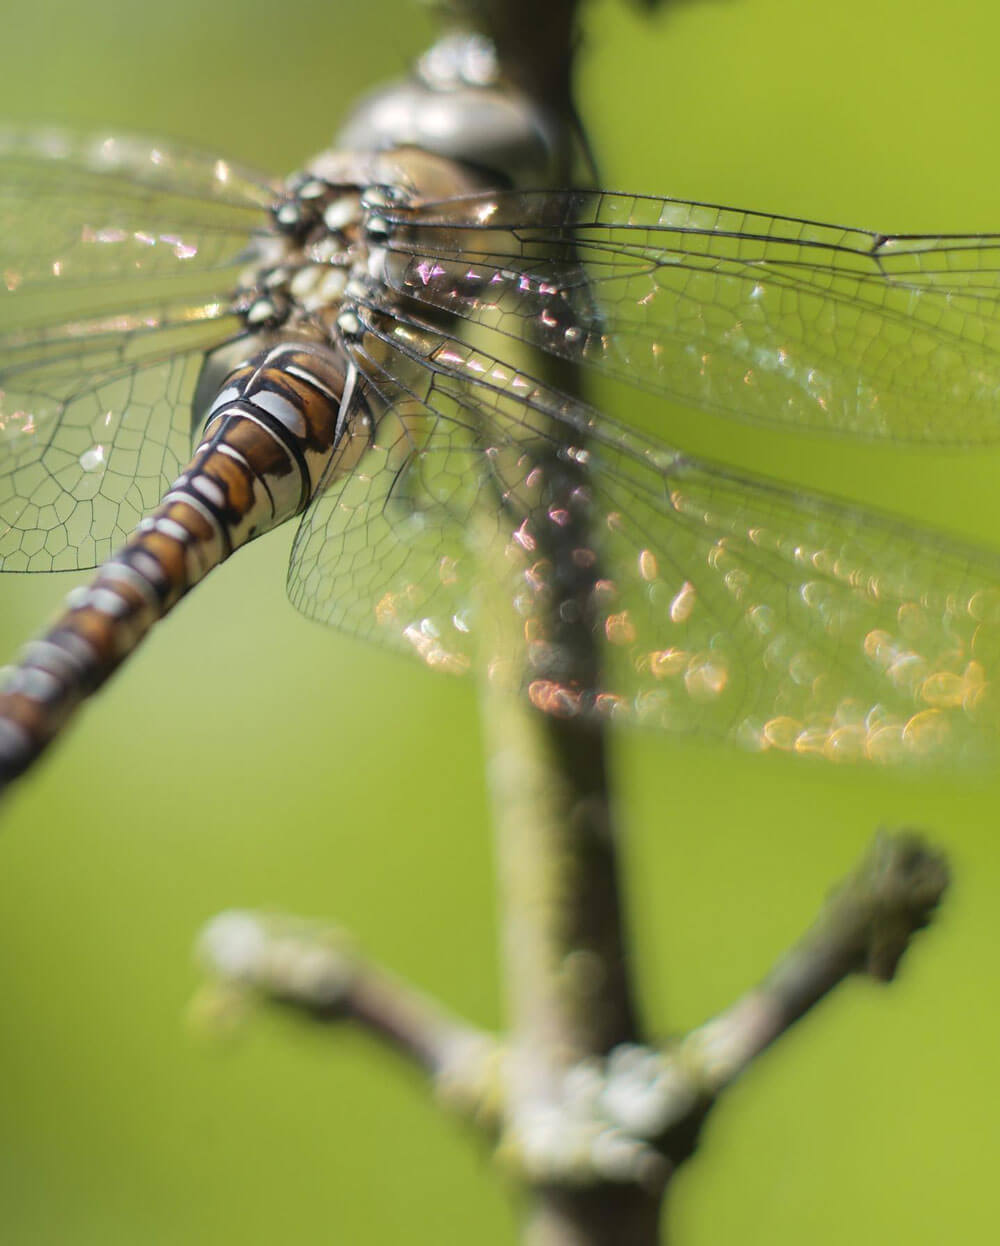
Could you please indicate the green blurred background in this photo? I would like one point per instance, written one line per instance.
(250, 758)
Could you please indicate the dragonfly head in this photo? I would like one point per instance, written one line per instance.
(458, 106)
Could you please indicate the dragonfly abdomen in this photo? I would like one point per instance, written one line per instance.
(268, 436)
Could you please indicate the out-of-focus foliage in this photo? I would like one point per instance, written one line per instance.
(247, 757)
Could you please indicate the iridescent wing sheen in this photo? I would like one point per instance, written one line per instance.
(763, 318)
(117, 261)
(492, 518)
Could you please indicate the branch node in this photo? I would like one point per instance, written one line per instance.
(605, 1123)
(284, 958)
(469, 1078)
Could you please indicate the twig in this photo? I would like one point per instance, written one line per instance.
(316, 971)
(865, 927)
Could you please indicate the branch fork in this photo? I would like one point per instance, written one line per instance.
(628, 1118)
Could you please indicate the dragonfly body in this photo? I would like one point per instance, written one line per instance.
(313, 330)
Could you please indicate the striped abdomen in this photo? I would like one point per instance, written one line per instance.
(268, 436)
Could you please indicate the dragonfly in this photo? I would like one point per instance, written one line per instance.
(362, 347)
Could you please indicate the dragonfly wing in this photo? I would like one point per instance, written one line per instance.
(720, 603)
(95, 420)
(794, 623)
(89, 211)
(117, 262)
(376, 553)
(764, 318)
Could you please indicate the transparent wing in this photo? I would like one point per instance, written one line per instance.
(763, 318)
(117, 259)
(95, 420)
(493, 519)
(89, 211)
(379, 552)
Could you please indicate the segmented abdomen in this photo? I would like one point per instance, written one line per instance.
(267, 438)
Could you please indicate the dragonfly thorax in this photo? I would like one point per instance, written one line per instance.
(298, 269)
(324, 251)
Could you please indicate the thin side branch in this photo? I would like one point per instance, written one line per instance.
(865, 927)
(316, 971)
